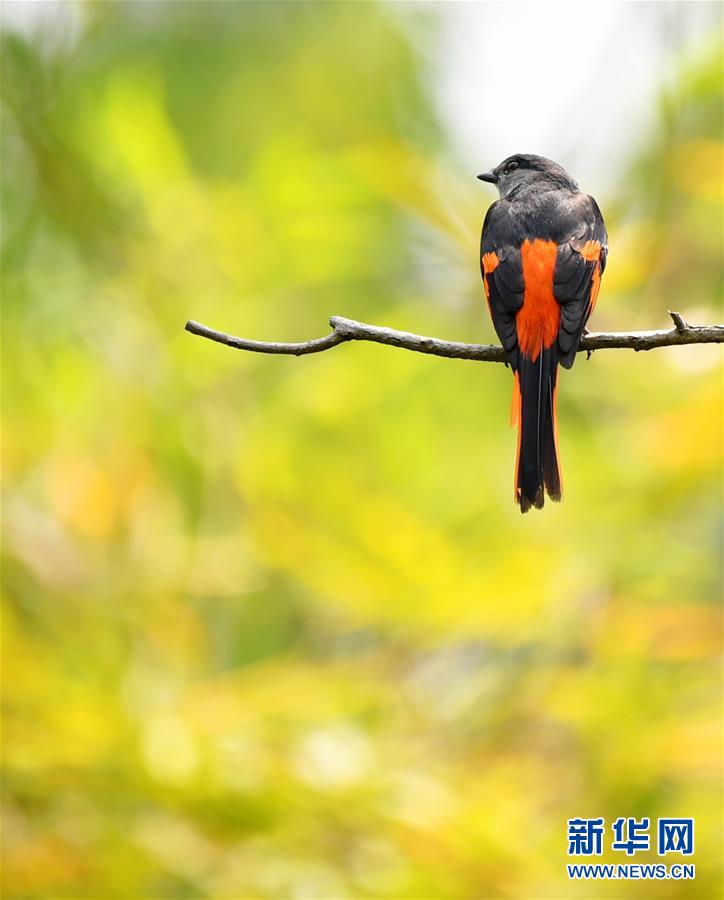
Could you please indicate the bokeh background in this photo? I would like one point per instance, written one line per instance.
(273, 627)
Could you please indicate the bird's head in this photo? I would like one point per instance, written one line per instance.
(524, 172)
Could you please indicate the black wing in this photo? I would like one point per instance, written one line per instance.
(502, 271)
(580, 262)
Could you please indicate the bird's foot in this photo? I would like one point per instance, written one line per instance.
(589, 353)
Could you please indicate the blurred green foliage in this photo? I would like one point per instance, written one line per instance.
(273, 627)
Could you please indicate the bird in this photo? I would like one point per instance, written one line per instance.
(543, 251)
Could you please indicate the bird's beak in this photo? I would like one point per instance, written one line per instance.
(489, 176)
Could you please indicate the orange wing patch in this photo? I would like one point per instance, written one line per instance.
(591, 251)
(595, 285)
(537, 321)
(490, 264)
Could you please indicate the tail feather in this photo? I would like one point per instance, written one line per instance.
(537, 469)
(552, 478)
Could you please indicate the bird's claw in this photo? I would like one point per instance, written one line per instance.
(584, 333)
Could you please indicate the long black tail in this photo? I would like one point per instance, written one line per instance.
(537, 467)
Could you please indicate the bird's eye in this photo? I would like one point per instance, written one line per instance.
(512, 166)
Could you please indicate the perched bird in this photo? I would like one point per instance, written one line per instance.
(543, 251)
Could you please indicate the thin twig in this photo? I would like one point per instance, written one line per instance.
(345, 330)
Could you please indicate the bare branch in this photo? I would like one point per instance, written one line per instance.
(314, 346)
(345, 330)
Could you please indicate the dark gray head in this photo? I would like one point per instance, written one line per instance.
(524, 173)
